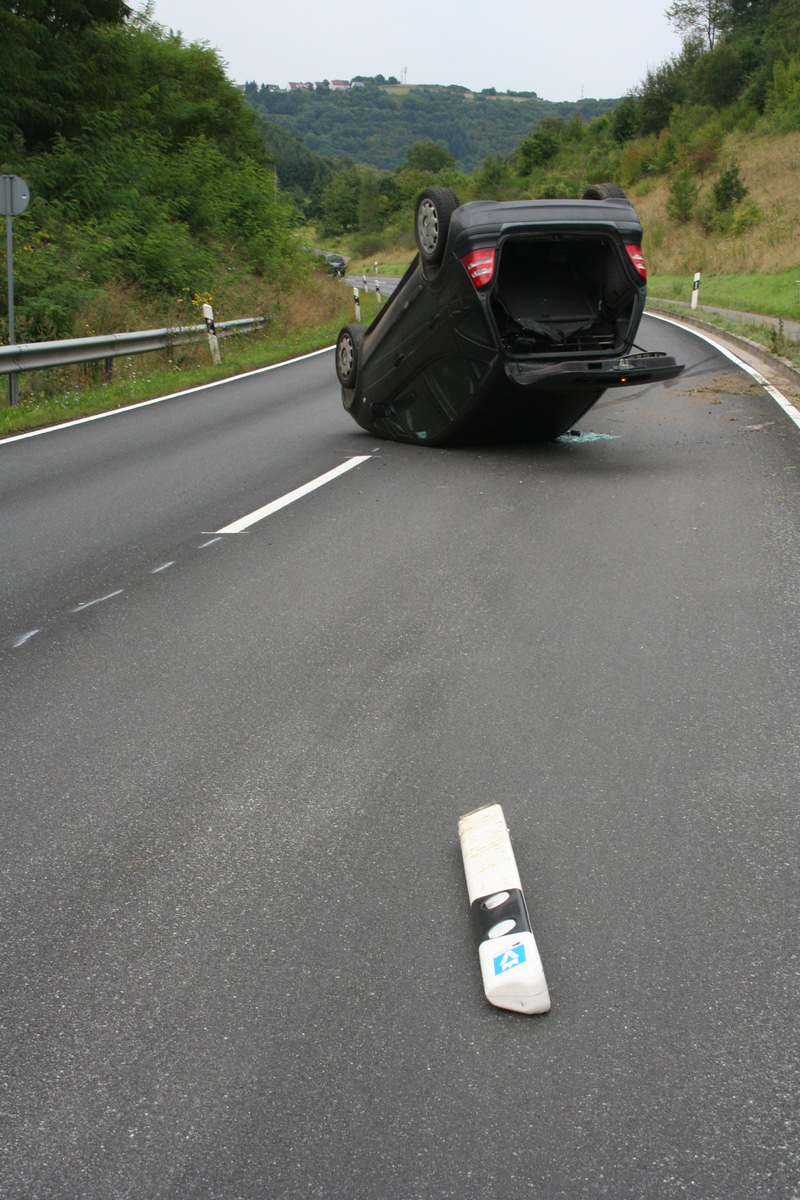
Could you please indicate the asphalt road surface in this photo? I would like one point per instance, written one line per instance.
(237, 952)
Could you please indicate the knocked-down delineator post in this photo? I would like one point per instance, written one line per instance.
(513, 976)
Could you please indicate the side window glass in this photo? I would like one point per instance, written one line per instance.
(435, 399)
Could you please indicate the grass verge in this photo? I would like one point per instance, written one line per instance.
(770, 295)
(766, 295)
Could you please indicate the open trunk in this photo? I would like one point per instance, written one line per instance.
(565, 294)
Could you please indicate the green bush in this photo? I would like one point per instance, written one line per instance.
(783, 95)
(729, 190)
(684, 193)
(745, 217)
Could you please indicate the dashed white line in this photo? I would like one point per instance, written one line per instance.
(26, 637)
(99, 600)
(260, 513)
(235, 527)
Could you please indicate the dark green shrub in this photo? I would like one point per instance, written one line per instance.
(729, 190)
(684, 193)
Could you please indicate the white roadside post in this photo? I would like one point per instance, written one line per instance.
(357, 303)
(378, 292)
(513, 976)
(695, 289)
(213, 344)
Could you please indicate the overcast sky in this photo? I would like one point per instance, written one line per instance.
(562, 49)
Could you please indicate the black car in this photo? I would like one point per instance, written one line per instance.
(335, 263)
(510, 323)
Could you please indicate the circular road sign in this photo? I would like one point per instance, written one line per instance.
(14, 195)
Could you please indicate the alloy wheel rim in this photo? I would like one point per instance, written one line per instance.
(428, 225)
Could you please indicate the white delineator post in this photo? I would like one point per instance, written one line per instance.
(211, 330)
(357, 302)
(513, 976)
(695, 289)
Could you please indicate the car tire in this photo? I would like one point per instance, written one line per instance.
(604, 191)
(435, 207)
(348, 346)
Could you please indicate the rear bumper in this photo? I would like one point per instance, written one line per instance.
(626, 371)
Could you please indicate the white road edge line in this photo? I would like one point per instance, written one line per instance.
(117, 412)
(513, 977)
(260, 513)
(791, 411)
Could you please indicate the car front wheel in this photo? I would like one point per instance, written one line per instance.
(348, 345)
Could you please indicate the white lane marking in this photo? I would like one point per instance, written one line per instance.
(792, 413)
(116, 412)
(290, 497)
(234, 527)
(99, 600)
(26, 637)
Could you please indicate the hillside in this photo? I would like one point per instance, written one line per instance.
(768, 167)
(374, 125)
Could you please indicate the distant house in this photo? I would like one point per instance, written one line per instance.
(301, 87)
(340, 85)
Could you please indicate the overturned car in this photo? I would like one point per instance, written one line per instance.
(511, 321)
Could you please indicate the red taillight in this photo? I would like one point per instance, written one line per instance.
(637, 258)
(480, 266)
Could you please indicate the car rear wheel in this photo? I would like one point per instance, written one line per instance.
(603, 191)
(348, 345)
(435, 207)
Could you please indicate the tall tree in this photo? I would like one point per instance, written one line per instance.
(46, 61)
(707, 19)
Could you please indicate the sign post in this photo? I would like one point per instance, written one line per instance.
(14, 197)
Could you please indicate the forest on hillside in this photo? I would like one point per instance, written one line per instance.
(374, 124)
(737, 74)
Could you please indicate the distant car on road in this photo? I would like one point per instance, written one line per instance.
(511, 321)
(335, 263)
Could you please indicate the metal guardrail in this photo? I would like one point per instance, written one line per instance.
(31, 356)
